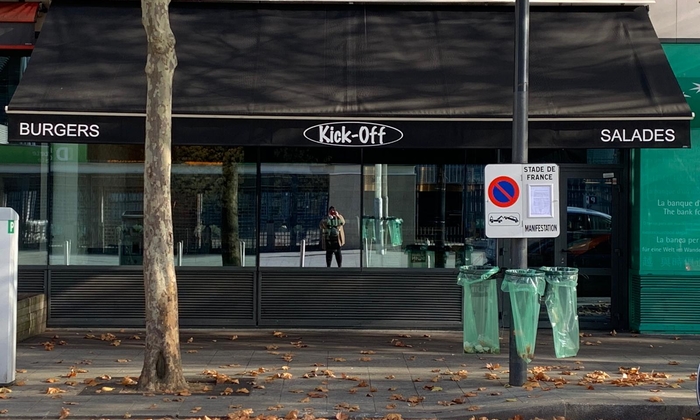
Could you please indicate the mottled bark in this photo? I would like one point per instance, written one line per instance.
(230, 244)
(162, 364)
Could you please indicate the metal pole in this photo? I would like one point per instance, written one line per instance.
(241, 246)
(302, 253)
(518, 366)
(179, 253)
(66, 252)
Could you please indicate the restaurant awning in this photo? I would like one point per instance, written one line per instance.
(17, 21)
(418, 76)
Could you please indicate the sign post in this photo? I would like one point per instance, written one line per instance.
(9, 239)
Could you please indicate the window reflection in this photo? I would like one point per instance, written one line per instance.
(295, 200)
(23, 186)
(424, 216)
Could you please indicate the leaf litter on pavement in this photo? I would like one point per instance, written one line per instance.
(543, 378)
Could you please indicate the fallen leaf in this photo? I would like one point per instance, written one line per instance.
(107, 389)
(190, 340)
(242, 391)
(127, 381)
(64, 413)
(53, 390)
(673, 362)
(655, 399)
(21, 370)
(123, 360)
(4, 411)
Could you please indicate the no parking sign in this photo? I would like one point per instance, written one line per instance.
(522, 201)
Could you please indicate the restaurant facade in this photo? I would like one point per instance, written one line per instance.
(388, 112)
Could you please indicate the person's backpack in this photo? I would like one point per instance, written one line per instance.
(333, 233)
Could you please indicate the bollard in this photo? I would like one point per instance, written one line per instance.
(9, 241)
(302, 253)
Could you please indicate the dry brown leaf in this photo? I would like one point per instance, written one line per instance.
(53, 390)
(673, 362)
(305, 400)
(292, 415)
(473, 408)
(127, 381)
(64, 413)
(51, 380)
(4, 390)
(342, 416)
(242, 391)
(4, 411)
(365, 359)
(393, 416)
(127, 415)
(655, 399)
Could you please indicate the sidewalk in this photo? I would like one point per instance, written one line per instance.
(358, 373)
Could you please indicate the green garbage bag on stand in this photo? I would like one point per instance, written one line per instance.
(525, 287)
(480, 309)
(561, 301)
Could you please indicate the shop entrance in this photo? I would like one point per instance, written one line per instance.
(592, 225)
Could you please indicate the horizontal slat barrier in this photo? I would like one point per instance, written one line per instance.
(31, 280)
(114, 297)
(664, 304)
(355, 298)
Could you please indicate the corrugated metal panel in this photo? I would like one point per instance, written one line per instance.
(31, 280)
(216, 297)
(360, 298)
(114, 297)
(665, 304)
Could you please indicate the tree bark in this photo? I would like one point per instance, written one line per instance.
(162, 364)
(230, 233)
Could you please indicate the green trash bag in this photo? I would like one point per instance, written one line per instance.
(561, 301)
(480, 309)
(525, 286)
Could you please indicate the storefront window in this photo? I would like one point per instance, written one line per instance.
(424, 216)
(214, 206)
(97, 206)
(23, 186)
(295, 199)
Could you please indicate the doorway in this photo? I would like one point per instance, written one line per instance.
(592, 225)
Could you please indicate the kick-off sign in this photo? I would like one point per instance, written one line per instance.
(522, 200)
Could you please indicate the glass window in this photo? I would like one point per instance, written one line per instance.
(96, 204)
(295, 229)
(214, 206)
(23, 186)
(424, 216)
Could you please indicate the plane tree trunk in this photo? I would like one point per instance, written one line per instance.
(162, 364)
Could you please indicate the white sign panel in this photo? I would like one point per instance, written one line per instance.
(9, 239)
(522, 200)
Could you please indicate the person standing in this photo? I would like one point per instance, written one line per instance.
(333, 236)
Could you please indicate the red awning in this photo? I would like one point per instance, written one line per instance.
(17, 25)
(18, 12)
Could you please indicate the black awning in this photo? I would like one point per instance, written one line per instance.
(432, 76)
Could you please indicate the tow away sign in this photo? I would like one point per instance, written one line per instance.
(522, 200)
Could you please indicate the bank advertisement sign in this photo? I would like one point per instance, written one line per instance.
(669, 193)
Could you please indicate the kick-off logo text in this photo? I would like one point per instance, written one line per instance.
(353, 134)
